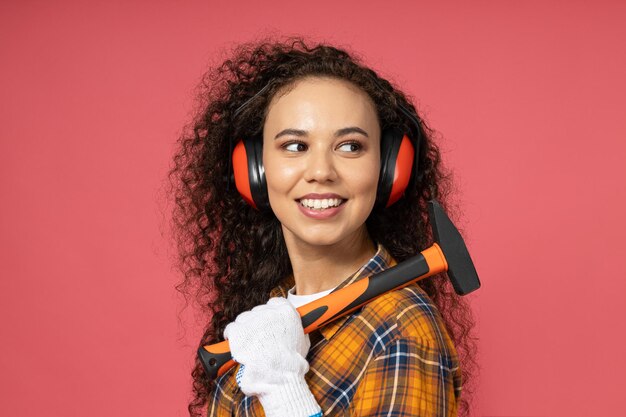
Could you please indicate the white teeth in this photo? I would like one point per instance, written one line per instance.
(321, 204)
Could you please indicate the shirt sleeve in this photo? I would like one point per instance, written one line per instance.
(408, 378)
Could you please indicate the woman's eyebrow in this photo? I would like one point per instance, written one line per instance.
(351, 129)
(340, 132)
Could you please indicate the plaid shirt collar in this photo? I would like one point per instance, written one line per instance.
(381, 260)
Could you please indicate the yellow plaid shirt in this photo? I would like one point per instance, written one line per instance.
(392, 357)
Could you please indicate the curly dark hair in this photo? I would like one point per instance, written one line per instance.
(232, 255)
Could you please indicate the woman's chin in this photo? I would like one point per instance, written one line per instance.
(324, 237)
(319, 240)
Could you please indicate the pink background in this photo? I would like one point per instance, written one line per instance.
(527, 96)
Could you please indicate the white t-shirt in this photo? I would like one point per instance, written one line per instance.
(299, 300)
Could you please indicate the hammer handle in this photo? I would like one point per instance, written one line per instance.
(217, 359)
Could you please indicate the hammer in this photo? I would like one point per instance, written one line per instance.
(448, 253)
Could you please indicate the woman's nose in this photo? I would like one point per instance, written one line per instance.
(320, 166)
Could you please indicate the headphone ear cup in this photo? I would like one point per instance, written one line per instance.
(249, 172)
(403, 170)
(396, 166)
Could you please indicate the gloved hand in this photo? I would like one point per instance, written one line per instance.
(269, 343)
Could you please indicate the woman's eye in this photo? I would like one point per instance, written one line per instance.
(350, 146)
(295, 147)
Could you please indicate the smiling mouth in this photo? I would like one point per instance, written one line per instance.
(321, 204)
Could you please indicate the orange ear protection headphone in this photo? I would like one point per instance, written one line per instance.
(399, 164)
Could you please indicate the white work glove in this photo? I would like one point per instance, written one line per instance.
(269, 343)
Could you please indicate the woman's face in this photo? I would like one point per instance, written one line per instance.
(321, 153)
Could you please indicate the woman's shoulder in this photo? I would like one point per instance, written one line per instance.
(410, 314)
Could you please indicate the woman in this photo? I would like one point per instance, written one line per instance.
(316, 218)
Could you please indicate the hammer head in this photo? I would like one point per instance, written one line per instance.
(460, 266)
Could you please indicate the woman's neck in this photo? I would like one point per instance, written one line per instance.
(318, 268)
